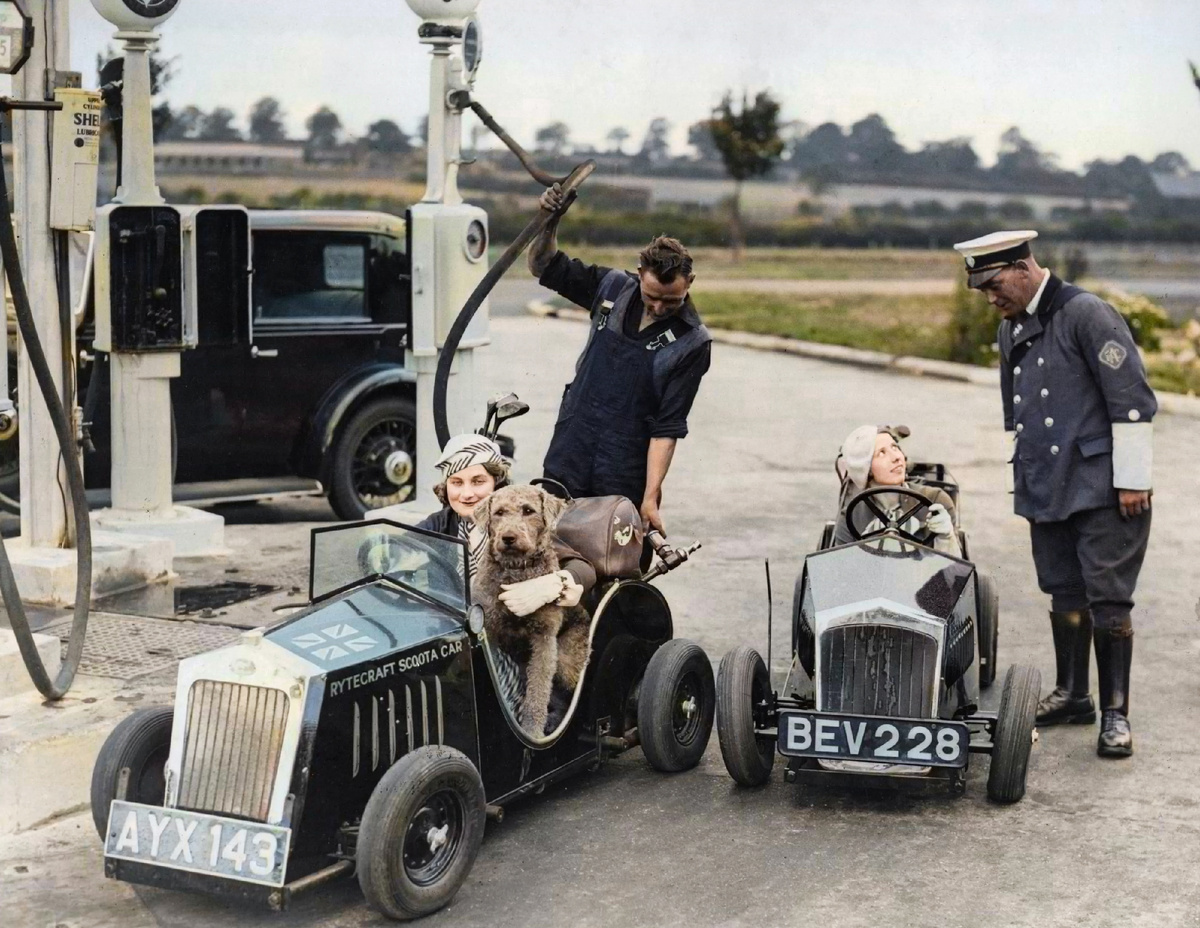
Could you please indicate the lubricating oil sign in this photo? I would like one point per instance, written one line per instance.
(76, 159)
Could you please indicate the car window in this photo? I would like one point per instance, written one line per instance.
(302, 276)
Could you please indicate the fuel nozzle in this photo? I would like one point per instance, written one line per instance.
(669, 557)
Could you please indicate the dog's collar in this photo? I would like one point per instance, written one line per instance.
(510, 562)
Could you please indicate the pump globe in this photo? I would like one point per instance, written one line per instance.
(136, 15)
(446, 12)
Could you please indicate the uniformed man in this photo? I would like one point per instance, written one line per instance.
(637, 376)
(1078, 412)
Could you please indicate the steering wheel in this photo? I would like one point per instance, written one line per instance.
(891, 523)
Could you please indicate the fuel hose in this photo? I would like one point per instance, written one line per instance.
(570, 185)
(58, 687)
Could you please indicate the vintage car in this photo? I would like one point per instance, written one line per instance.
(366, 734)
(892, 643)
(303, 392)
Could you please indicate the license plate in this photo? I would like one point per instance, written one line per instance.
(211, 844)
(921, 742)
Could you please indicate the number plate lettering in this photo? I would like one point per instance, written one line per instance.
(919, 742)
(210, 844)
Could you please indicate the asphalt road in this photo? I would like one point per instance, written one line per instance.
(1093, 842)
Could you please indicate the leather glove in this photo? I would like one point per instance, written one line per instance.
(939, 521)
(528, 596)
(572, 592)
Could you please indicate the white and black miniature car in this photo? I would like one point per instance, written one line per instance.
(366, 734)
(892, 642)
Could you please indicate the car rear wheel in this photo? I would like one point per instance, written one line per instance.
(1013, 738)
(989, 629)
(141, 743)
(676, 705)
(375, 458)
(742, 684)
(420, 832)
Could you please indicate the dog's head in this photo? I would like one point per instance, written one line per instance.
(519, 520)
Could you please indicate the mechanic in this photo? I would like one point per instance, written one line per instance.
(636, 378)
(472, 469)
(1078, 412)
(871, 456)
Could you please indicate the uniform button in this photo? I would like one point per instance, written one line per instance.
(1049, 422)
(1045, 392)
(1020, 427)
(1134, 415)
(1029, 344)
(1054, 449)
(1041, 361)
(1016, 370)
(1017, 398)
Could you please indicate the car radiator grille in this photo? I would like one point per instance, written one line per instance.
(878, 670)
(231, 748)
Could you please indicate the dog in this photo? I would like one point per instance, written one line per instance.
(551, 642)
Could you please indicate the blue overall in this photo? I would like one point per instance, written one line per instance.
(608, 411)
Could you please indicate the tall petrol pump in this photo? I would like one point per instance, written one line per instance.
(146, 287)
(449, 238)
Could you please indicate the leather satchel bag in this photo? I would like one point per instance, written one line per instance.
(607, 531)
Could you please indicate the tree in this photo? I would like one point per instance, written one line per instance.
(655, 147)
(749, 142)
(700, 137)
(184, 124)
(266, 122)
(218, 126)
(1019, 159)
(951, 157)
(1170, 162)
(824, 147)
(387, 138)
(617, 137)
(872, 144)
(552, 139)
(324, 131)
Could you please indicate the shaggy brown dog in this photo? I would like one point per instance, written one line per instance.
(551, 641)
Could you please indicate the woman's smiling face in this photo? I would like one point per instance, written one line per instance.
(889, 463)
(468, 488)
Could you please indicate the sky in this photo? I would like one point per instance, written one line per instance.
(1083, 79)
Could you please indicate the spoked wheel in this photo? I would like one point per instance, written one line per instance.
(1013, 738)
(676, 705)
(374, 460)
(743, 684)
(420, 832)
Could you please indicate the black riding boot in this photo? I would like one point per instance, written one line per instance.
(1114, 654)
(1069, 701)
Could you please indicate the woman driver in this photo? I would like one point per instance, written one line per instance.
(472, 469)
(871, 457)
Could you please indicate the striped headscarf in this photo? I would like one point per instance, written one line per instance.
(463, 451)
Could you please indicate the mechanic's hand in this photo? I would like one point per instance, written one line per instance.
(554, 200)
(938, 521)
(1133, 502)
(572, 592)
(529, 596)
(651, 519)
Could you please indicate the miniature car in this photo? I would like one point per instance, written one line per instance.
(891, 644)
(366, 734)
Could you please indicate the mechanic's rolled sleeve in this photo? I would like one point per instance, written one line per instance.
(571, 278)
(679, 393)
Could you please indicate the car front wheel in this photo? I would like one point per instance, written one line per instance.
(676, 704)
(141, 744)
(989, 629)
(742, 684)
(420, 832)
(374, 458)
(1013, 738)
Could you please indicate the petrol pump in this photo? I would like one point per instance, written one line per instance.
(146, 298)
(449, 238)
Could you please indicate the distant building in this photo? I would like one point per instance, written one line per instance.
(1178, 186)
(196, 157)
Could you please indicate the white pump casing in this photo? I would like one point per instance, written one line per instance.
(449, 259)
(136, 15)
(442, 12)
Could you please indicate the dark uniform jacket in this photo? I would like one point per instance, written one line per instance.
(1067, 374)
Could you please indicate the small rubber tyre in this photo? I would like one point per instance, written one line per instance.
(141, 742)
(676, 705)
(420, 832)
(358, 479)
(989, 629)
(742, 684)
(1013, 738)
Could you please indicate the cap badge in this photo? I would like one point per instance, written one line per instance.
(970, 261)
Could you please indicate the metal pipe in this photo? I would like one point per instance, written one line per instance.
(494, 813)
(322, 876)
